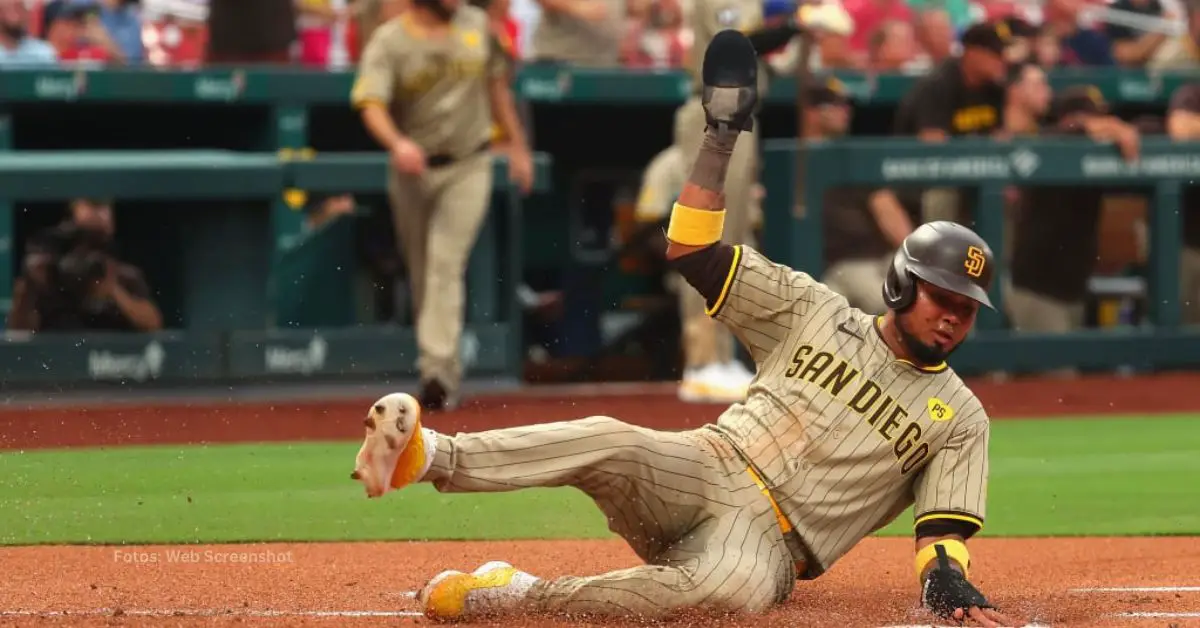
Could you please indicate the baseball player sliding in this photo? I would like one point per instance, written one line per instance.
(850, 419)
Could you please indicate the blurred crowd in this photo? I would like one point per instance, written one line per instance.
(889, 35)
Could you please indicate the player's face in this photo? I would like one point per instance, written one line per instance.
(937, 322)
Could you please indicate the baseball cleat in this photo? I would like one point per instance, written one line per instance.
(730, 75)
(493, 588)
(396, 451)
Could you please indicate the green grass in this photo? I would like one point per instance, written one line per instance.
(1128, 476)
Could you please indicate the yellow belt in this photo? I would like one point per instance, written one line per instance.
(784, 524)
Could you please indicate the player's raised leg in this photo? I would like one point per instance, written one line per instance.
(651, 485)
(684, 502)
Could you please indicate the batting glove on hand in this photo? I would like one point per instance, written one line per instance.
(946, 590)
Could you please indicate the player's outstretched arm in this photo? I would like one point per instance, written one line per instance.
(950, 503)
(730, 74)
(753, 296)
(942, 564)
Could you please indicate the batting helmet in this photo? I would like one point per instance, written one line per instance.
(945, 254)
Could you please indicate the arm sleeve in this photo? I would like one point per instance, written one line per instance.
(756, 298)
(953, 487)
(374, 82)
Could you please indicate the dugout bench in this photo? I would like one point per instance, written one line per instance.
(250, 314)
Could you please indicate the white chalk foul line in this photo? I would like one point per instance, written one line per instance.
(1160, 615)
(933, 626)
(205, 612)
(1138, 590)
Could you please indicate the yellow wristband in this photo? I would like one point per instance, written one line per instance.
(955, 550)
(695, 227)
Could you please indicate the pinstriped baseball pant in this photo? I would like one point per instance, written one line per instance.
(682, 500)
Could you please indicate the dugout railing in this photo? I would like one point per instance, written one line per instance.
(793, 232)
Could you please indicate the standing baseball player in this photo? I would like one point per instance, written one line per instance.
(851, 419)
(429, 85)
(711, 373)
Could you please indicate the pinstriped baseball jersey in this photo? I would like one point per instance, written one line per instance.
(845, 435)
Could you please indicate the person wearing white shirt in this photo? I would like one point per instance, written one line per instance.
(17, 48)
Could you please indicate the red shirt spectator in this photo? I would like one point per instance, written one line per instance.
(869, 15)
(173, 42)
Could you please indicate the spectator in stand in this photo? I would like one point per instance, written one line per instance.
(869, 15)
(1047, 50)
(175, 35)
(962, 96)
(960, 12)
(580, 32)
(1180, 52)
(17, 47)
(315, 22)
(76, 32)
(1028, 100)
(1079, 46)
(893, 48)
(261, 31)
(1130, 46)
(834, 52)
(656, 40)
(122, 20)
(935, 33)
(1024, 38)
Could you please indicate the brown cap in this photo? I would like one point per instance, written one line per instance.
(990, 36)
(1079, 99)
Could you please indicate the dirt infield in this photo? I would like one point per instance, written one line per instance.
(363, 583)
(873, 586)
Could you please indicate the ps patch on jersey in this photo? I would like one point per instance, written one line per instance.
(939, 411)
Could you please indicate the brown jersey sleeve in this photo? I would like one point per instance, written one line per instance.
(953, 486)
(762, 301)
(375, 79)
